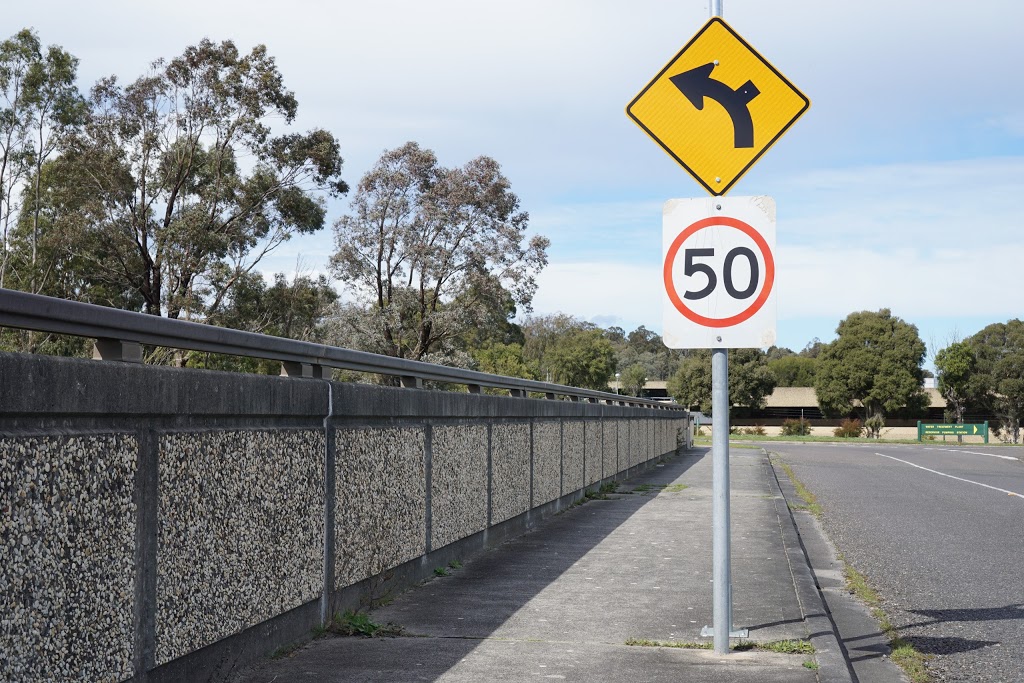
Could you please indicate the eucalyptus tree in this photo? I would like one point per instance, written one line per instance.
(956, 366)
(428, 253)
(794, 370)
(998, 350)
(634, 378)
(41, 106)
(190, 185)
(751, 381)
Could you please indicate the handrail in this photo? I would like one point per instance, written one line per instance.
(111, 325)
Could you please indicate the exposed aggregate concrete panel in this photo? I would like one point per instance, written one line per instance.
(572, 456)
(458, 484)
(649, 445)
(610, 447)
(547, 461)
(593, 453)
(627, 433)
(67, 541)
(381, 508)
(510, 470)
(241, 530)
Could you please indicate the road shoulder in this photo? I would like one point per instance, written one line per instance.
(861, 642)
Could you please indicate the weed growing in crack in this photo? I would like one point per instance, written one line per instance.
(353, 623)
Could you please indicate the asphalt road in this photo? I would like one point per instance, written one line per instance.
(939, 532)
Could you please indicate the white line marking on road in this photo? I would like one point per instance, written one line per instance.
(977, 483)
(991, 455)
(957, 450)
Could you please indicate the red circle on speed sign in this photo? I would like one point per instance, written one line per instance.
(745, 314)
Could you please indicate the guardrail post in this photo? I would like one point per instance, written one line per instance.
(518, 393)
(411, 382)
(473, 388)
(117, 350)
(550, 396)
(304, 370)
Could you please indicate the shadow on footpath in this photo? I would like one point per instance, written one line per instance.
(480, 597)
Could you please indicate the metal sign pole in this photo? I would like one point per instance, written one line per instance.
(722, 574)
(720, 520)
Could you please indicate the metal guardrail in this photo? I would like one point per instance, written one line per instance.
(119, 335)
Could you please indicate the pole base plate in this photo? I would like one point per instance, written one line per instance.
(709, 632)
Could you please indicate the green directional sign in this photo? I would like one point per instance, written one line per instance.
(942, 429)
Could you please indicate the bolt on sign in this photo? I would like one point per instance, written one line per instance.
(719, 273)
(717, 106)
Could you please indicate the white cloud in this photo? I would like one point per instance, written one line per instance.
(934, 262)
(956, 281)
(541, 86)
(1010, 123)
(625, 230)
(603, 292)
(926, 206)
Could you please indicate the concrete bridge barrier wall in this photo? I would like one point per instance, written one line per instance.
(165, 524)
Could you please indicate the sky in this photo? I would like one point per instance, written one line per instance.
(898, 188)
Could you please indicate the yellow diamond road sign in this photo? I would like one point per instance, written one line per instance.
(717, 106)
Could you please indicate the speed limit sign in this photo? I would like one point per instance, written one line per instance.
(719, 273)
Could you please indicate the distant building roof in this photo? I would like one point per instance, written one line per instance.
(805, 397)
(789, 397)
(792, 397)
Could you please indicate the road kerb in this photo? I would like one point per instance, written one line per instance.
(834, 665)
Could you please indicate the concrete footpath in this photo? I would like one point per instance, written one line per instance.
(562, 601)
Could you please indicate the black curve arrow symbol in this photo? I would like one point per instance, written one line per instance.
(697, 84)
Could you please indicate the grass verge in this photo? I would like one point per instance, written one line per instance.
(903, 654)
(732, 445)
(810, 503)
(788, 647)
